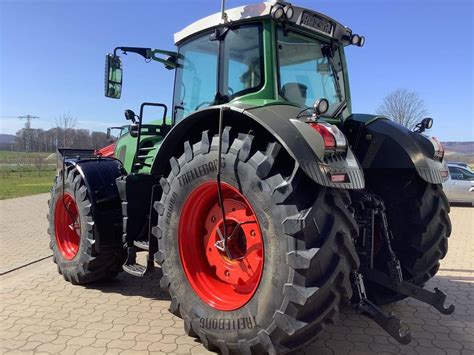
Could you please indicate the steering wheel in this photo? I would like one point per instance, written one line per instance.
(230, 90)
(202, 104)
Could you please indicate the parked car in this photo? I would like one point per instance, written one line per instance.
(460, 185)
(462, 165)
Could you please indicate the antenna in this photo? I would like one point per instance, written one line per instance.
(223, 14)
(28, 119)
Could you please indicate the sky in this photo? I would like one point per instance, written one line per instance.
(52, 56)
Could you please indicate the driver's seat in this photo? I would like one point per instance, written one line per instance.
(295, 92)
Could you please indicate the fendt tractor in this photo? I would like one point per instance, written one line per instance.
(265, 203)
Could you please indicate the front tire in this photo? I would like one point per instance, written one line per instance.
(303, 232)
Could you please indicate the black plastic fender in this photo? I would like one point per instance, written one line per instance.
(300, 141)
(99, 176)
(380, 143)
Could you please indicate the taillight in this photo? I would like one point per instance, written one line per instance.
(329, 139)
(334, 139)
(438, 148)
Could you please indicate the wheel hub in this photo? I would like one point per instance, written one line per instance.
(224, 273)
(67, 226)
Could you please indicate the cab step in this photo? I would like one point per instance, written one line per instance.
(132, 267)
(138, 269)
(142, 244)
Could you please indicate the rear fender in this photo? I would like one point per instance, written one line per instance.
(99, 176)
(380, 143)
(301, 142)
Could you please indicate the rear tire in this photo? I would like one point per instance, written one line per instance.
(308, 253)
(73, 242)
(417, 213)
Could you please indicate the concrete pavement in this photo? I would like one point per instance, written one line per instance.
(41, 313)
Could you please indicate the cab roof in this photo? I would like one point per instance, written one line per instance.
(302, 17)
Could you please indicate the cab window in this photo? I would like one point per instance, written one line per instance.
(307, 70)
(196, 77)
(243, 60)
(241, 65)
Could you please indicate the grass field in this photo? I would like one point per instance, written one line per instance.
(24, 174)
(6, 155)
(16, 184)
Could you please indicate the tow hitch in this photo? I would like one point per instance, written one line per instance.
(369, 211)
(388, 322)
(435, 299)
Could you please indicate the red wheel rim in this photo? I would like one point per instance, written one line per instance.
(67, 226)
(223, 283)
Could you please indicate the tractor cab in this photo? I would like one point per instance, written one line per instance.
(253, 56)
(263, 54)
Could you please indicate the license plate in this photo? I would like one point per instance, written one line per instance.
(316, 22)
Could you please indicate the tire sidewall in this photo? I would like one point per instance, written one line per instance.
(77, 263)
(257, 313)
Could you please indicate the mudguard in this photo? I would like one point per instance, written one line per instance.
(300, 141)
(99, 176)
(380, 143)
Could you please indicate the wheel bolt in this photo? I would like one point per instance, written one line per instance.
(227, 273)
(213, 219)
(252, 233)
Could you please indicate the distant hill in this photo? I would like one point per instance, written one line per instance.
(459, 151)
(6, 141)
(7, 138)
(459, 147)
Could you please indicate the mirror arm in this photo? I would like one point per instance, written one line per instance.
(151, 54)
(138, 50)
(170, 62)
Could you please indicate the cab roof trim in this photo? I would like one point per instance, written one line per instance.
(235, 14)
(250, 12)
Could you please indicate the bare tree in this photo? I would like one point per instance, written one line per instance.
(404, 107)
(66, 123)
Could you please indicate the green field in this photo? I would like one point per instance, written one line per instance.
(6, 155)
(24, 174)
(15, 183)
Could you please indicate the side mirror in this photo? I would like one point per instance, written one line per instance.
(113, 76)
(130, 115)
(426, 123)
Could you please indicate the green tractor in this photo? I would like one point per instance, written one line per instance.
(264, 200)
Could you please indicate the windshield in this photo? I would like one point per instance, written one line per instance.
(307, 71)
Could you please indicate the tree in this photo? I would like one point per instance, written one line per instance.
(404, 107)
(66, 123)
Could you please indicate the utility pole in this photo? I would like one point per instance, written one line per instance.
(27, 133)
(28, 119)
